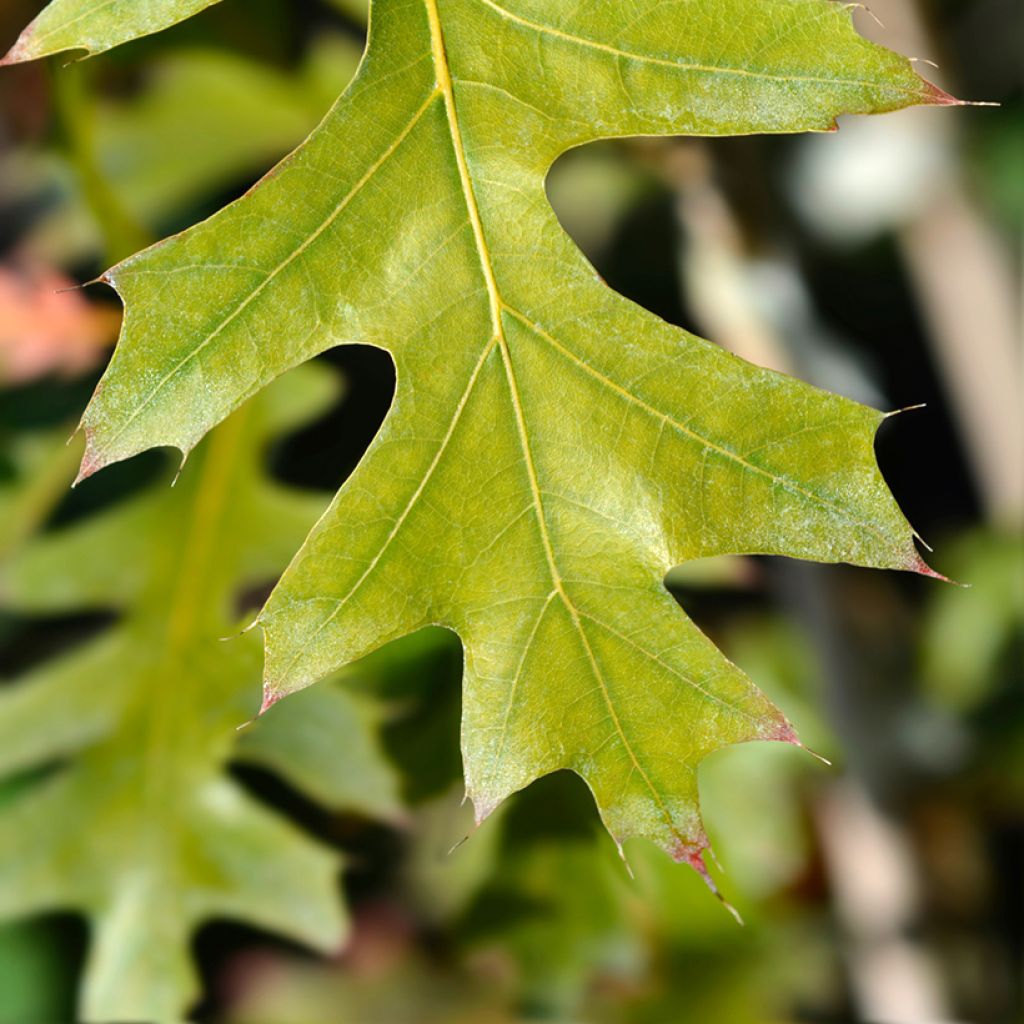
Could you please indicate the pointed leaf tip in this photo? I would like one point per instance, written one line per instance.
(939, 97)
(18, 53)
(482, 809)
(818, 757)
(922, 568)
(783, 732)
(693, 854)
(92, 462)
(270, 698)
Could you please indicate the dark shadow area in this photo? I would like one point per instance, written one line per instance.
(323, 454)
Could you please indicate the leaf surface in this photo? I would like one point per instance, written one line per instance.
(142, 830)
(552, 449)
(97, 25)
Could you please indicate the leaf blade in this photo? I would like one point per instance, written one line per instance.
(97, 25)
(552, 450)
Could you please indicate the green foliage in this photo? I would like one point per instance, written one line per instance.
(552, 450)
(151, 147)
(38, 466)
(155, 149)
(97, 25)
(132, 819)
(546, 924)
(967, 633)
(30, 976)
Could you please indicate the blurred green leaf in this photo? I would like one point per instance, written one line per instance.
(38, 465)
(32, 977)
(357, 10)
(138, 826)
(325, 744)
(966, 631)
(203, 119)
(153, 148)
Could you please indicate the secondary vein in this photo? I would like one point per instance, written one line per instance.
(642, 58)
(709, 445)
(251, 296)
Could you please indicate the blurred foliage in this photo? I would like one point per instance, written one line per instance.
(533, 915)
(133, 821)
(969, 636)
(149, 154)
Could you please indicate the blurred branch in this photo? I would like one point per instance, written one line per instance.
(122, 234)
(872, 873)
(966, 290)
(714, 267)
(966, 293)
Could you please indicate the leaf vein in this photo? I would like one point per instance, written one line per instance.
(292, 256)
(642, 58)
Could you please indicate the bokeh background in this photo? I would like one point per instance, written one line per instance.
(882, 262)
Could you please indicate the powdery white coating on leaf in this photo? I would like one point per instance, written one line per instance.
(552, 449)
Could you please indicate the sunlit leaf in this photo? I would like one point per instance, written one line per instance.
(552, 449)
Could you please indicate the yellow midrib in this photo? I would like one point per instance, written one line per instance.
(496, 303)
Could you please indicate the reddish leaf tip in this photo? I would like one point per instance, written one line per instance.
(270, 698)
(693, 854)
(19, 52)
(91, 463)
(939, 97)
(917, 564)
(783, 732)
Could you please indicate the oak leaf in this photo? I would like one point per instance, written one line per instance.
(552, 449)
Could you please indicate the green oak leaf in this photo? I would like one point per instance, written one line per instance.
(552, 449)
(97, 25)
(140, 828)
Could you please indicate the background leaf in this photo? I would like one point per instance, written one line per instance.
(134, 821)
